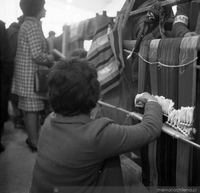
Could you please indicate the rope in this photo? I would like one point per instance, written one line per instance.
(165, 65)
(161, 64)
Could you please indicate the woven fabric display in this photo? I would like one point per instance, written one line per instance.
(186, 97)
(152, 147)
(197, 30)
(106, 54)
(143, 68)
(153, 68)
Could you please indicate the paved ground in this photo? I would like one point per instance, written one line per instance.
(16, 162)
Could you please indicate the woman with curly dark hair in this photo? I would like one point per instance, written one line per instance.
(73, 148)
(65, 96)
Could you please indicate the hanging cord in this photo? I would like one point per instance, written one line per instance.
(127, 116)
(155, 14)
(161, 64)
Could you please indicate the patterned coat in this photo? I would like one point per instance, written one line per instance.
(32, 53)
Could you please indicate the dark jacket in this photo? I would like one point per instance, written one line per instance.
(72, 150)
(12, 32)
(191, 11)
(6, 61)
(6, 56)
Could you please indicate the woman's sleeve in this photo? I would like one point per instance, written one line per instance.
(6, 57)
(180, 25)
(116, 139)
(37, 47)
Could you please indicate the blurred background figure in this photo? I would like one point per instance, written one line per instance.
(79, 53)
(50, 39)
(6, 59)
(32, 53)
(57, 44)
(187, 20)
(13, 31)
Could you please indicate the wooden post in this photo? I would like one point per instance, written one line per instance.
(64, 40)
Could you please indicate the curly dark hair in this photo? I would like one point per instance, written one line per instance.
(73, 87)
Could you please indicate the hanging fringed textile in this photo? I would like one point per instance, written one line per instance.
(167, 67)
(187, 74)
(106, 53)
(197, 30)
(143, 85)
(143, 75)
(186, 97)
(167, 84)
(196, 153)
(168, 52)
(153, 68)
(152, 147)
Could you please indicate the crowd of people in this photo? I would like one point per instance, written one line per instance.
(71, 147)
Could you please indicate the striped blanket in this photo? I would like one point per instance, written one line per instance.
(106, 52)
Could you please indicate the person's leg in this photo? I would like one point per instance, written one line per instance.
(18, 114)
(14, 101)
(31, 108)
(4, 103)
(31, 120)
(2, 148)
(4, 111)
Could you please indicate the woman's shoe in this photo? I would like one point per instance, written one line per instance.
(32, 147)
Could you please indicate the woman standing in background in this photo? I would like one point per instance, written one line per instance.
(32, 53)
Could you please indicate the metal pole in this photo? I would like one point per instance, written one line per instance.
(166, 129)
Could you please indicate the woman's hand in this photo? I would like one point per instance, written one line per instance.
(142, 99)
